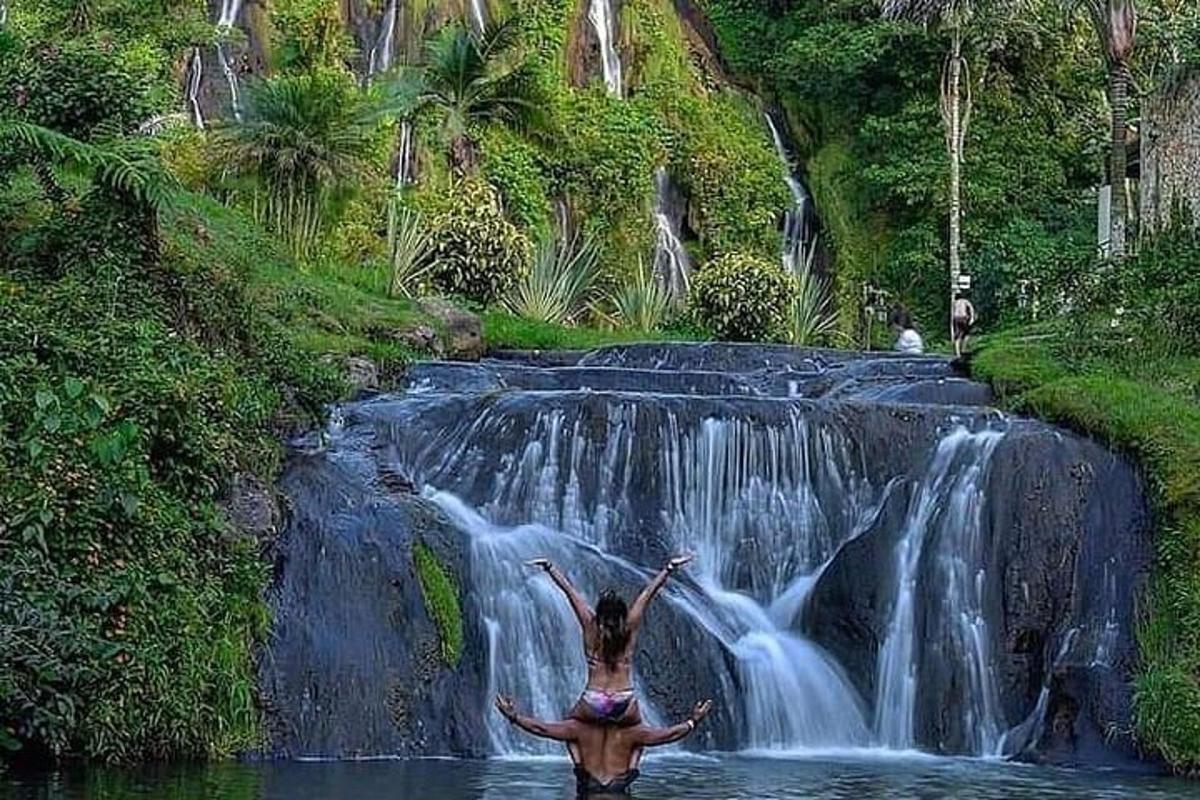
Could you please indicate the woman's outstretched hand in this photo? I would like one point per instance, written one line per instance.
(679, 562)
(540, 563)
(701, 710)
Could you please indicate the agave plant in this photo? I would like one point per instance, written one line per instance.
(811, 316)
(641, 303)
(560, 284)
(410, 249)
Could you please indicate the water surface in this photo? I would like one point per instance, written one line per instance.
(664, 778)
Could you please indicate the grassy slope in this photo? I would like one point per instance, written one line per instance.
(1149, 412)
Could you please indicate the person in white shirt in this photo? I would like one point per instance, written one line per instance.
(962, 320)
(907, 338)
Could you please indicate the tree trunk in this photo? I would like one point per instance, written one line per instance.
(1117, 165)
(462, 155)
(953, 110)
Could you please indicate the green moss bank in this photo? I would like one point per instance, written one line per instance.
(1160, 429)
(441, 600)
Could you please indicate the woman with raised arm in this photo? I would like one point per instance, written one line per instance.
(609, 635)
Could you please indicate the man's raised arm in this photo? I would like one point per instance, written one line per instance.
(653, 737)
(566, 730)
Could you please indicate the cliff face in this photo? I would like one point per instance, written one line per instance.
(1170, 160)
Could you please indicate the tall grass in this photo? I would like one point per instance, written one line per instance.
(562, 281)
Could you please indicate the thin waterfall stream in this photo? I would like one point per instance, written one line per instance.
(600, 14)
(798, 239)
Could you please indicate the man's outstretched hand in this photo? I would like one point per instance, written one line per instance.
(506, 707)
(701, 710)
(679, 562)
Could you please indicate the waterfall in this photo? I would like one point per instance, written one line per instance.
(600, 14)
(194, 80)
(479, 16)
(231, 78)
(798, 244)
(229, 13)
(569, 490)
(947, 512)
(404, 155)
(381, 53)
(672, 265)
(3, 12)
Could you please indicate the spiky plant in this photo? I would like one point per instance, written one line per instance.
(641, 302)
(410, 248)
(812, 318)
(561, 282)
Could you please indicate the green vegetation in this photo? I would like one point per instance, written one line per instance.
(506, 331)
(441, 600)
(477, 253)
(1124, 366)
(742, 298)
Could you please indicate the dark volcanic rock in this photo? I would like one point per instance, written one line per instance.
(354, 665)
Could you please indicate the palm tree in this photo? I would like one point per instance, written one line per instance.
(305, 139)
(1115, 22)
(955, 103)
(470, 79)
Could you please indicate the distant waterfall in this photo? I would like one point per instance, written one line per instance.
(195, 77)
(3, 12)
(672, 265)
(479, 15)
(404, 155)
(231, 77)
(600, 14)
(382, 52)
(945, 513)
(229, 13)
(797, 238)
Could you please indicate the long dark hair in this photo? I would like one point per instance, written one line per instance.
(613, 624)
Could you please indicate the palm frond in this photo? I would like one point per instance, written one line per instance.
(812, 318)
(640, 303)
(410, 247)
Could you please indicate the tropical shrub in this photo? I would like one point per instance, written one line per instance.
(742, 298)
(479, 254)
(811, 318)
(640, 302)
(410, 250)
(559, 285)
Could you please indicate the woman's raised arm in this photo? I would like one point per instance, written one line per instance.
(583, 612)
(638, 609)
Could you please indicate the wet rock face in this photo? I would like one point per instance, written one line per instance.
(354, 664)
(798, 475)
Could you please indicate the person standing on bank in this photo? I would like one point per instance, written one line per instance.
(962, 319)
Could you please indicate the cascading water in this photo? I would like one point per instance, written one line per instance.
(600, 14)
(404, 155)
(479, 15)
(946, 509)
(230, 9)
(672, 265)
(798, 241)
(3, 13)
(382, 52)
(194, 81)
(854, 581)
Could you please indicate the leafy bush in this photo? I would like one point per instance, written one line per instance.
(561, 282)
(742, 298)
(479, 254)
(1160, 292)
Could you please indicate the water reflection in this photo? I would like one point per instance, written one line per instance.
(672, 777)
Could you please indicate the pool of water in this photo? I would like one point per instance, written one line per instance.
(664, 778)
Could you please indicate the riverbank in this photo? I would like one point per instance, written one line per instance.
(1147, 408)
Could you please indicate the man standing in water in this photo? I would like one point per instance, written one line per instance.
(606, 756)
